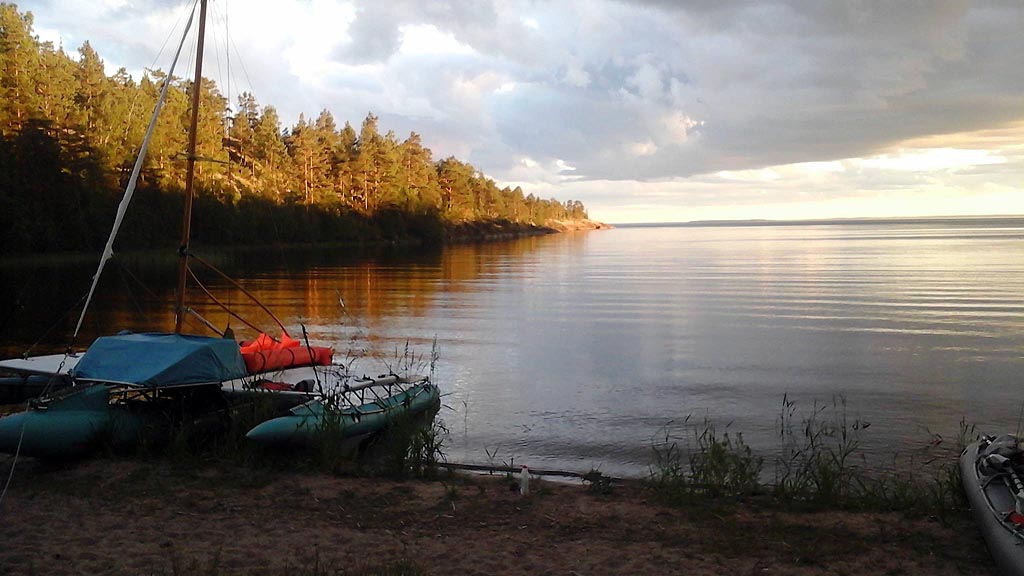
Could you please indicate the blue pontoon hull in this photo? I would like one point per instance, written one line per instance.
(309, 423)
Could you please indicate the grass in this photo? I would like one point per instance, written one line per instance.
(819, 465)
(713, 465)
(412, 447)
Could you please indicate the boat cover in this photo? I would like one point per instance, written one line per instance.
(156, 360)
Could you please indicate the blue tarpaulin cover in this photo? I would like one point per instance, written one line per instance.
(156, 360)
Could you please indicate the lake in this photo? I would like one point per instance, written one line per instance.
(579, 351)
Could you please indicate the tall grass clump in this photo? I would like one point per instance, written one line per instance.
(816, 461)
(929, 483)
(706, 464)
(819, 463)
(411, 447)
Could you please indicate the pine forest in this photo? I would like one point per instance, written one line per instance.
(69, 135)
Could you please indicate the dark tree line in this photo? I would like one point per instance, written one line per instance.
(69, 135)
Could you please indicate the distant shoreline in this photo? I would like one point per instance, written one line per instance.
(960, 220)
(454, 234)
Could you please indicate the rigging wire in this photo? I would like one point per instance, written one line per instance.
(56, 323)
(216, 53)
(243, 290)
(229, 83)
(227, 89)
(131, 293)
(108, 250)
(241, 63)
(190, 61)
(152, 66)
(138, 281)
(170, 33)
(16, 304)
(227, 53)
(222, 305)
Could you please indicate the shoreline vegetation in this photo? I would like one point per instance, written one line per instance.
(69, 136)
(220, 506)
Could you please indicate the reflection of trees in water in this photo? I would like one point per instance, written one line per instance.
(300, 285)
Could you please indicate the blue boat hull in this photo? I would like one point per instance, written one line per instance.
(69, 427)
(307, 424)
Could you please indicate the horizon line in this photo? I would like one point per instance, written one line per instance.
(838, 220)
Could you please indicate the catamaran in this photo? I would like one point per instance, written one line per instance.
(127, 389)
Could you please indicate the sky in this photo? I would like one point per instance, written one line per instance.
(645, 110)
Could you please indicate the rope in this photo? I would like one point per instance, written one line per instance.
(242, 289)
(24, 423)
(170, 34)
(16, 304)
(227, 55)
(122, 208)
(216, 53)
(218, 303)
(14, 463)
(58, 322)
(154, 295)
(241, 63)
(131, 293)
(152, 66)
(309, 349)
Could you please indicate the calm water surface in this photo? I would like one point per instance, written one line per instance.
(577, 350)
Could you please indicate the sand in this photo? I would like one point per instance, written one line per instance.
(156, 517)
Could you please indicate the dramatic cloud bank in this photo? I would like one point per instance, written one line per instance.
(644, 110)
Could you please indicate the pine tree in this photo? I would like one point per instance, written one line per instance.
(19, 69)
(420, 179)
(56, 87)
(366, 169)
(342, 164)
(271, 156)
(455, 178)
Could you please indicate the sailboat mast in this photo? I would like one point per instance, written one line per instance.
(190, 170)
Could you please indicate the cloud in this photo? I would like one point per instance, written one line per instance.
(643, 92)
(967, 173)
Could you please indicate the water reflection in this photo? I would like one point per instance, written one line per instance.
(329, 290)
(573, 350)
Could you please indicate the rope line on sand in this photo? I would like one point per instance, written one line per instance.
(14, 463)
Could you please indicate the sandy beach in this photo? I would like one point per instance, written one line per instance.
(112, 516)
